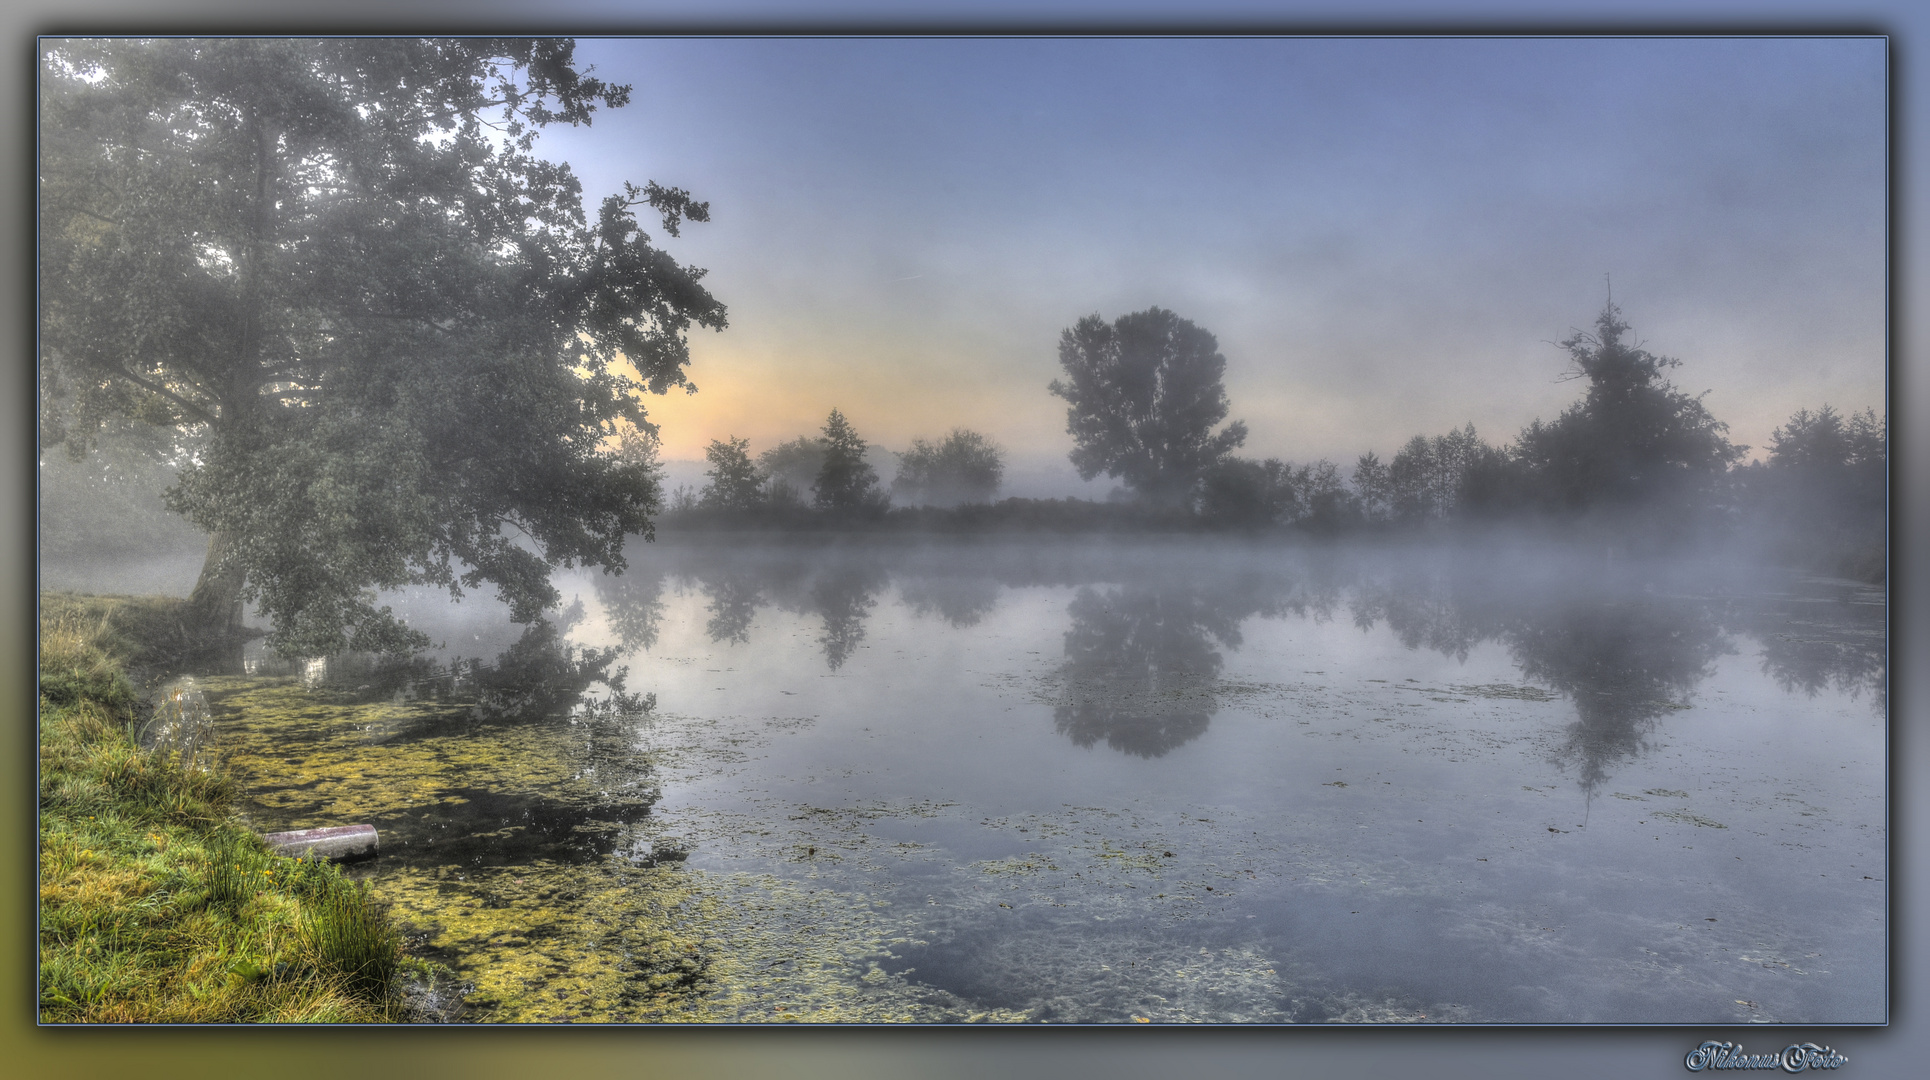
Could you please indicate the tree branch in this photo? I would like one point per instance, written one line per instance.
(426, 320)
(199, 412)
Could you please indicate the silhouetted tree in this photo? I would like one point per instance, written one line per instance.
(1322, 502)
(734, 481)
(964, 468)
(1431, 480)
(1634, 441)
(1145, 393)
(1238, 491)
(846, 481)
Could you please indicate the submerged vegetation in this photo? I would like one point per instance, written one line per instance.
(156, 904)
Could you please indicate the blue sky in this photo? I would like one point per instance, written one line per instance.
(1385, 233)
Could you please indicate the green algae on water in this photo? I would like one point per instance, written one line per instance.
(509, 848)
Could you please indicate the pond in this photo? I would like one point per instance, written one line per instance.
(1117, 782)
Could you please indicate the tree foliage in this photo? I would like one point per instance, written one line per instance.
(1145, 394)
(1242, 492)
(846, 481)
(1437, 479)
(1825, 441)
(1633, 440)
(408, 347)
(734, 480)
(1822, 495)
(790, 468)
(965, 467)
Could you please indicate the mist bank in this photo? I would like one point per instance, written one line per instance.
(1758, 532)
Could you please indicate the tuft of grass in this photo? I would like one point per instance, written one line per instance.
(156, 905)
(353, 940)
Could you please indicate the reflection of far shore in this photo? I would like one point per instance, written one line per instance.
(841, 579)
(1626, 642)
(1628, 645)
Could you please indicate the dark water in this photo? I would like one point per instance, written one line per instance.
(1073, 782)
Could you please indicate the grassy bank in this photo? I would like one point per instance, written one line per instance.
(156, 905)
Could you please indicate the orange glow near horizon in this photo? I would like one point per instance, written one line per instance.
(758, 394)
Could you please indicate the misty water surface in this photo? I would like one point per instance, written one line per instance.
(1234, 783)
(1227, 782)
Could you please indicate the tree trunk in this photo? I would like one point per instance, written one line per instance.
(214, 607)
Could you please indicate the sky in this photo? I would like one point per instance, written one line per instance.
(1387, 235)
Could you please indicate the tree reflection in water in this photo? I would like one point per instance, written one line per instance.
(633, 604)
(839, 590)
(1622, 654)
(961, 600)
(843, 597)
(1810, 646)
(1143, 657)
(733, 598)
(1140, 669)
(1142, 661)
(1623, 663)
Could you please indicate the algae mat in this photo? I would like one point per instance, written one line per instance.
(520, 854)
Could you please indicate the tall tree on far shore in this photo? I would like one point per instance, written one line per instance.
(405, 345)
(1145, 394)
(1634, 442)
(846, 481)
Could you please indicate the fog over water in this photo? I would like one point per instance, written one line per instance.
(1239, 781)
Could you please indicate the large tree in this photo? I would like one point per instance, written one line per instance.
(1145, 393)
(408, 351)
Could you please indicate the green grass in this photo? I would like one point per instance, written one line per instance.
(155, 904)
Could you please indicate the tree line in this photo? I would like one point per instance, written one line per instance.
(1635, 457)
(830, 473)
